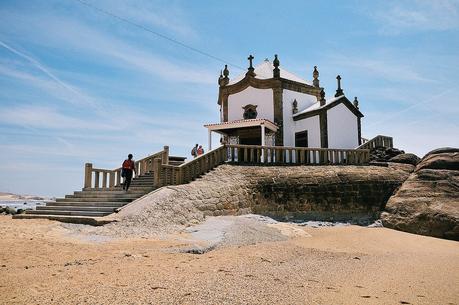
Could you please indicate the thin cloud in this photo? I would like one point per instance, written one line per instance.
(415, 15)
(46, 71)
(385, 68)
(48, 118)
(112, 50)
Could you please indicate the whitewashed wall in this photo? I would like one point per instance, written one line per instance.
(304, 101)
(263, 98)
(342, 128)
(312, 125)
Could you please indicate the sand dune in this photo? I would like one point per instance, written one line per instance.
(10, 196)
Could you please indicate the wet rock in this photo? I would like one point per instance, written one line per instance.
(407, 158)
(10, 210)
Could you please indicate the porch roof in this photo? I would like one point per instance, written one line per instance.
(242, 124)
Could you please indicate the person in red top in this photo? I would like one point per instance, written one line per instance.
(127, 168)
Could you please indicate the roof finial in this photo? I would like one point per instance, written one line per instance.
(356, 103)
(294, 106)
(223, 80)
(339, 91)
(250, 58)
(276, 63)
(251, 70)
(315, 75)
(322, 97)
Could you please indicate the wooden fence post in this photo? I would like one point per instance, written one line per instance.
(157, 172)
(165, 155)
(87, 175)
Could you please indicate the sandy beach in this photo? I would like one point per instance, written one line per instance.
(45, 262)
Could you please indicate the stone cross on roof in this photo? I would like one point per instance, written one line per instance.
(339, 91)
(250, 58)
(251, 69)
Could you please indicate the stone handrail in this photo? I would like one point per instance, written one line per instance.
(112, 177)
(378, 141)
(253, 154)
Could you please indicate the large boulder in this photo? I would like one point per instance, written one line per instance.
(428, 201)
(441, 160)
(407, 158)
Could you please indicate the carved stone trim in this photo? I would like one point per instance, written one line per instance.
(323, 129)
(278, 115)
(359, 129)
(343, 100)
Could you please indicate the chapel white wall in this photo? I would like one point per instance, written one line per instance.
(342, 128)
(263, 98)
(312, 125)
(304, 101)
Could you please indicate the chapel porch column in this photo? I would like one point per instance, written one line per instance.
(263, 132)
(210, 140)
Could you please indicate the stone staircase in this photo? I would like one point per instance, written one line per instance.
(86, 205)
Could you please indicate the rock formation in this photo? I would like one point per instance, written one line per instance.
(406, 159)
(428, 201)
(383, 154)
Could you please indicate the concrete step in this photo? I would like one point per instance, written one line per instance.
(88, 204)
(142, 181)
(106, 195)
(95, 199)
(68, 213)
(119, 189)
(94, 221)
(78, 208)
(148, 177)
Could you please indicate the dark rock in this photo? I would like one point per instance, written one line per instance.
(407, 158)
(392, 152)
(383, 154)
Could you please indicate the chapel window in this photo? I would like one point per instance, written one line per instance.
(250, 112)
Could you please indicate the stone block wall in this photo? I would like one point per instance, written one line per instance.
(295, 192)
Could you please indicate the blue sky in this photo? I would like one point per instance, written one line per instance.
(79, 86)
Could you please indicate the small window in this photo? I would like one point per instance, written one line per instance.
(301, 139)
(250, 112)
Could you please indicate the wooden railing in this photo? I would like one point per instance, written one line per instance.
(168, 174)
(378, 141)
(165, 174)
(99, 178)
(295, 155)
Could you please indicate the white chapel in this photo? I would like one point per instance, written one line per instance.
(270, 106)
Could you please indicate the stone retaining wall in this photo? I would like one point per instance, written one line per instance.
(298, 192)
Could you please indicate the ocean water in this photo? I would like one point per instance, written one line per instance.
(22, 203)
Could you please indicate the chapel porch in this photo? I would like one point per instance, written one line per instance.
(259, 132)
